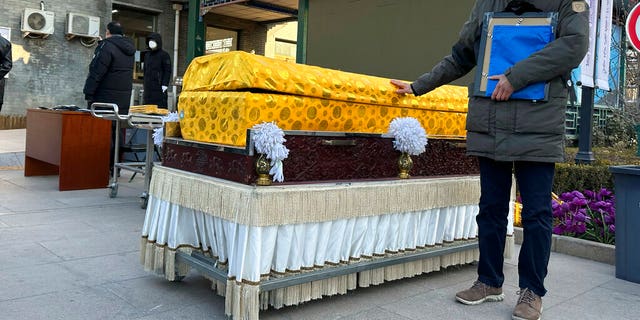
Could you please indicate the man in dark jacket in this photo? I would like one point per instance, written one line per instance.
(110, 77)
(521, 136)
(157, 72)
(5, 64)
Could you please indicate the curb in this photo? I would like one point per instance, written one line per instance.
(580, 248)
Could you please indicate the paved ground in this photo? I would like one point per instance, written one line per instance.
(74, 255)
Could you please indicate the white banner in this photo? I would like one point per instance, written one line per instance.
(604, 45)
(587, 66)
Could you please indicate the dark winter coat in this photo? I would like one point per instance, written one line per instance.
(518, 130)
(157, 73)
(6, 64)
(110, 77)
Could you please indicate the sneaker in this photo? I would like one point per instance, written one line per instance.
(529, 306)
(479, 293)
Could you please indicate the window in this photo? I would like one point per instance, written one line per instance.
(285, 50)
(220, 40)
(137, 25)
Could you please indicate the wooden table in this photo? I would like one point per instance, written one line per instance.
(74, 145)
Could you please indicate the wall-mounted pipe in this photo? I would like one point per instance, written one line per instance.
(176, 37)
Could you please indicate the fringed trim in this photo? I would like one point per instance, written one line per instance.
(161, 260)
(305, 203)
(243, 301)
(509, 247)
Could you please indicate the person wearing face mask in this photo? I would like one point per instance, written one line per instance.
(157, 72)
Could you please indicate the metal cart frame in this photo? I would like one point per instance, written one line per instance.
(109, 111)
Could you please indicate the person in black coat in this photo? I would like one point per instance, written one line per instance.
(110, 78)
(5, 64)
(157, 72)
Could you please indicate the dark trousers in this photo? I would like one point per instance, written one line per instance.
(535, 181)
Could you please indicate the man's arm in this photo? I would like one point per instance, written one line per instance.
(166, 70)
(6, 63)
(97, 69)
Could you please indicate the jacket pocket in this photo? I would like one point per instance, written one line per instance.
(545, 117)
(478, 114)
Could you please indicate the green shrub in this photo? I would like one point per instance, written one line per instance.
(569, 177)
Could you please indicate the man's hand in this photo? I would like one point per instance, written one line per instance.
(164, 88)
(503, 89)
(402, 87)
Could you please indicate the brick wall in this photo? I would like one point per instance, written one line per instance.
(251, 35)
(48, 72)
(52, 71)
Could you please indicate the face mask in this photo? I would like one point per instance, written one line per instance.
(152, 44)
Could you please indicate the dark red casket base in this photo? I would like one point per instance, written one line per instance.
(316, 158)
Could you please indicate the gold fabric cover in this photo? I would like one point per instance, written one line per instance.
(226, 94)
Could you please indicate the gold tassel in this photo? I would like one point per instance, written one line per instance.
(342, 284)
(377, 276)
(509, 247)
(143, 250)
(237, 302)
(276, 297)
(352, 281)
(264, 295)
(149, 255)
(250, 301)
(317, 289)
(305, 292)
(364, 278)
(332, 286)
(158, 261)
(221, 287)
(228, 300)
(292, 295)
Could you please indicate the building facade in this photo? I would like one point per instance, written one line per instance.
(50, 69)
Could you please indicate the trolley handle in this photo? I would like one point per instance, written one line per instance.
(145, 121)
(107, 111)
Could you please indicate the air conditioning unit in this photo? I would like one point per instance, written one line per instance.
(37, 22)
(83, 25)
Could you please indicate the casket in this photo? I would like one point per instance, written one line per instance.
(226, 94)
(335, 121)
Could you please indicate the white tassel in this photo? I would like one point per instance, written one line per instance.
(269, 140)
(409, 135)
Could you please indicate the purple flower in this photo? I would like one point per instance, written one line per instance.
(604, 193)
(609, 220)
(577, 194)
(579, 202)
(590, 194)
(588, 215)
(579, 228)
(559, 229)
(580, 216)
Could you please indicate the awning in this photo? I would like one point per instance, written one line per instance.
(265, 11)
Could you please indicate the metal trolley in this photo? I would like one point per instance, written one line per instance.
(109, 111)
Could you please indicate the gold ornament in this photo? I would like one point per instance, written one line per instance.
(404, 164)
(262, 168)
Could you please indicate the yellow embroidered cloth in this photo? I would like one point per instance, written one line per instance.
(225, 94)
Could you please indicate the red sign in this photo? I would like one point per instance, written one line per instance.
(632, 27)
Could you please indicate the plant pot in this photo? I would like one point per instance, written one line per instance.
(627, 191)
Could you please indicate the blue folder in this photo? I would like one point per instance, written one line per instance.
(507, 40)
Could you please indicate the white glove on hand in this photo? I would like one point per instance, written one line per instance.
(164, 88)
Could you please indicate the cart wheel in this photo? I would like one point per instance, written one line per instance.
(113, 190)
(177, 278)
(145, 201)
